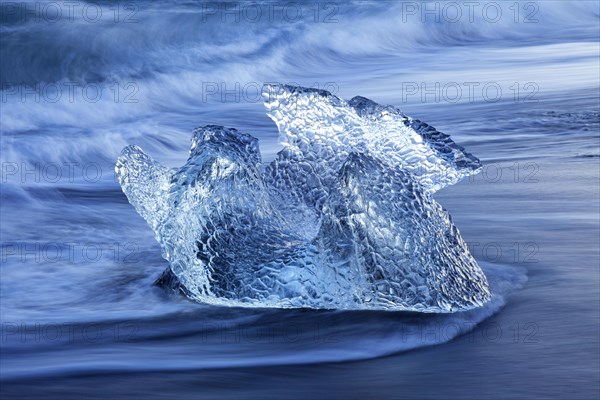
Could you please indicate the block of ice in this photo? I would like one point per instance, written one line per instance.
(343, 217)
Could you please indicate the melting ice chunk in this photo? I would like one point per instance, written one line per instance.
(343, 217)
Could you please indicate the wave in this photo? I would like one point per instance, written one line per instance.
(165, 38)
(181, 59)
(223, 337)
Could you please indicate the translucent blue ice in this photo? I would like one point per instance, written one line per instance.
(343, 217)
